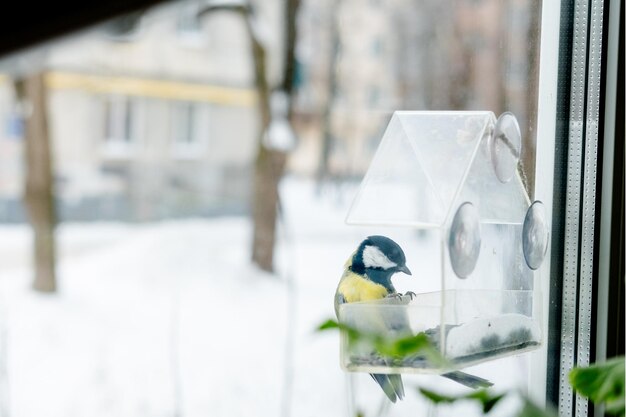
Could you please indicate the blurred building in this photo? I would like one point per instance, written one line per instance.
(158, 119)
(366, 59)
(150, 116)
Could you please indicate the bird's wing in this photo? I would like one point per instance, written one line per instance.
(339, 300)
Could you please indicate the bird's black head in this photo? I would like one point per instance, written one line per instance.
(379, 253)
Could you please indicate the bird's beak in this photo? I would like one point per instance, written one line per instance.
(405, 269)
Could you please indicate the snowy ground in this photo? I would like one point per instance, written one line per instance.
(170, 319)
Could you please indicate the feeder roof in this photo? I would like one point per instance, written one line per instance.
(428, 163)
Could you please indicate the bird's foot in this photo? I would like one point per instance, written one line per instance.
(410, 294)
(396, 296)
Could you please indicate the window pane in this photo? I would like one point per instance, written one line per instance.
(156, 125)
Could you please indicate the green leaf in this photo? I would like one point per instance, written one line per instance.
(412, 345)
(435, 357)
(353, 334)
(393, 348)
(531, 410)
(486, 399)
(409, 345)
(602, 383)
(439, 398)
(327, 325)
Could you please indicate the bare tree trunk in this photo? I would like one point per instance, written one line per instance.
(529, 145)
(269, 163)
(39, 194)
(291, 36)
(462, 71)
(503, 101)
(327, 139)
(268, 168)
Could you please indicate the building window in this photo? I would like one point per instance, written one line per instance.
(119, 124)
(14, 126)
(377, 47)
(183, 118)
(189, 27)
(125, 28)
(188, 22)
(185, 125)
(373, 96)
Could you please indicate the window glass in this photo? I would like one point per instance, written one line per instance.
(190, 126)
(118, 114)
(120, 119)
(183, 123)
(158, 152)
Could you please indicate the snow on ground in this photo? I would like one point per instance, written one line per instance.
(170, 318)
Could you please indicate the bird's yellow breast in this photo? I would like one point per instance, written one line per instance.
(354, 288)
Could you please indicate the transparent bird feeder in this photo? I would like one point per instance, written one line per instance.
(454, 176)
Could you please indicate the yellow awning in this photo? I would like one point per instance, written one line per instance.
(135, 86)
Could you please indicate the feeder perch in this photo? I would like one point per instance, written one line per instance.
(453, 175)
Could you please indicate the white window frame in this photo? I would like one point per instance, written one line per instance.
(544, 170)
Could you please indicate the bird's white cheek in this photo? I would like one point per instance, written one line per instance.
(374, 258)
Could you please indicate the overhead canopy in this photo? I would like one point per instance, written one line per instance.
(28, 24)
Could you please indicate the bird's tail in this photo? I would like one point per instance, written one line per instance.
(391, 385)
(471, 381)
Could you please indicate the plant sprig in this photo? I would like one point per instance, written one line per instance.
(399, 347)
(602, 383)
(487, 401)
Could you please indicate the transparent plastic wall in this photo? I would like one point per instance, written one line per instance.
(454, 174)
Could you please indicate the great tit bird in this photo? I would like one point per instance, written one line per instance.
(366, 277)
